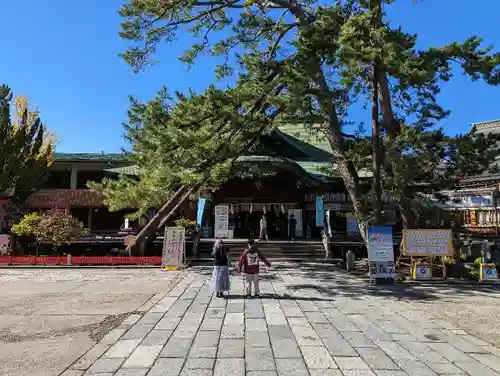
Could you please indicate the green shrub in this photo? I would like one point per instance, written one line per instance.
(52, 226)
(185, 222)
(27, 225)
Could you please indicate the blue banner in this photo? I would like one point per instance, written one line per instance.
(201, 209)
(320, 212)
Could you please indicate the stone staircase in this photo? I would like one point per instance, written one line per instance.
(278, 251)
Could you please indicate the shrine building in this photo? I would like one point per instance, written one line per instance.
(301, 164)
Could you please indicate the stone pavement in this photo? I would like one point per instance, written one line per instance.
(306, 324)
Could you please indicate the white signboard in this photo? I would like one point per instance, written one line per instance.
(488, 273)
(422, 272)
(380, 247)
(424, 242)
(221, 221)
(468, 201)
(381, 252)
(174, 246)
(333, 206)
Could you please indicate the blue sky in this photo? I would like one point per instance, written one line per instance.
(63, 55)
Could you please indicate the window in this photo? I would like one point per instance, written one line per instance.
(58, 180)
(86, 176)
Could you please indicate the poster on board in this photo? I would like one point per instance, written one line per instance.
(221, 221)
(426, 242)
(174, 247)
(381, 252)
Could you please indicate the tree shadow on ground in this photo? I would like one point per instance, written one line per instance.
(333, 282)
(274, 296)
(346, 285)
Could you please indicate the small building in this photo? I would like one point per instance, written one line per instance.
(475, 206)
(66, 188)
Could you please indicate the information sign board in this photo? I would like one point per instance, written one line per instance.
(425, 242)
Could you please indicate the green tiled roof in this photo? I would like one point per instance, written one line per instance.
(125, 170)
(90, 157)
(309, 142)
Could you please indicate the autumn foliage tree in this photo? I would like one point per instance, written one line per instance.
(26, 147)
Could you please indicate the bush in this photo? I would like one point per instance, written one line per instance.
(185, 222)
(27, 225)
(52, 226)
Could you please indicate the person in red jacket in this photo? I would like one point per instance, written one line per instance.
(249, 264)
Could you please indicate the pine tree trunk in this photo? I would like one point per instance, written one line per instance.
(363, 228)
(151, 238)
(393, 130)
(153, 224)
(376, 152)
(376, 162)
(176, 207)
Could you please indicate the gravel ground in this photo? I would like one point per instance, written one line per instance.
(473, 308)
(50, 317)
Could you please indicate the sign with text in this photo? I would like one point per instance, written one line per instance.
(425, 242)
(488, 272)
(174, 247)
(468, 201)
(422, 271)
(221, 221)
(381, 252)
(380, 247)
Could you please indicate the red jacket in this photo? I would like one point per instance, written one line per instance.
(249, 261)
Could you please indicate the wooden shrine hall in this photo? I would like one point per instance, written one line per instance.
(301, 165)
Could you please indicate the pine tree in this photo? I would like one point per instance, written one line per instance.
(185, 143)
(25, 147)
(325, 58)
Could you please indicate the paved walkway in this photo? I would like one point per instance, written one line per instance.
(308, 323)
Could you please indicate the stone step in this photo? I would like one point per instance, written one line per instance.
(208, 261)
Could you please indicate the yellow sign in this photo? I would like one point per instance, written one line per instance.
(425, 242)
(172, 268)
